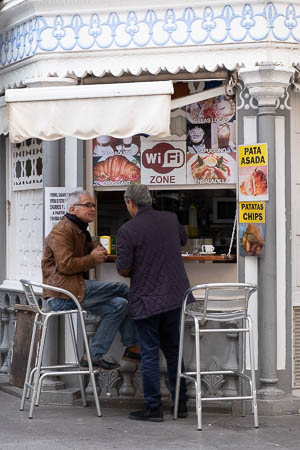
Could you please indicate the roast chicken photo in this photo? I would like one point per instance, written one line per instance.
(116, 168)
(255, 183)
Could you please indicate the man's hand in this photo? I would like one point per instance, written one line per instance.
(99, 254)
(125, 273)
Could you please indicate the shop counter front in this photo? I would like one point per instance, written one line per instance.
(199, 268)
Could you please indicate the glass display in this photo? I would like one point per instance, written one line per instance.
(208, 215)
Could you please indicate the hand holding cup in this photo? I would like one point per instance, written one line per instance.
(100, 254)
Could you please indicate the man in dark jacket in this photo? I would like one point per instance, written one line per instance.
(149, 252)
(68, 255)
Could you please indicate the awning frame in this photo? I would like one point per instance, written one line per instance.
(92, 91)
(199, 97)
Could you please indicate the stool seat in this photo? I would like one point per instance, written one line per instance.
(218, 302)
(36, 372)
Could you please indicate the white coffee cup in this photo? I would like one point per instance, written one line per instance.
(103, 140)
(127, 142)
(208, 248)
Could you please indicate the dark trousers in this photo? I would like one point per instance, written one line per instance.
(159, 331)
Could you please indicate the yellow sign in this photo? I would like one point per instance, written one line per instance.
(252, 212)
(253, 155)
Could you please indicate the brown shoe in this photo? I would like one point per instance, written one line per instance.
(98, 364)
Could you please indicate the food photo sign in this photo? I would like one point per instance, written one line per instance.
(211, 141)
(252, 228)
(163, 163)
(116, 162)
(253, 172)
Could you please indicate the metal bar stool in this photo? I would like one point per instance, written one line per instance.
(34, 376)
(218, 302)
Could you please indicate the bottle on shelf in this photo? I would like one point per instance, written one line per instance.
(193, 227)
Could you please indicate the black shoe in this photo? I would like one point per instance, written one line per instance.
(131, 356)
(99, 364)
(182, 410)
(148, 414)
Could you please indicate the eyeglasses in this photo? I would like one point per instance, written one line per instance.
(86, 205)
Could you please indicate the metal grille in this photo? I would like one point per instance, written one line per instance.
(27, 165)
(296, 346)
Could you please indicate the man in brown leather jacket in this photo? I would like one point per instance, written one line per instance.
(68, 255)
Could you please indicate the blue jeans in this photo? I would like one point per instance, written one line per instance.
(159, 331)
(108, 300)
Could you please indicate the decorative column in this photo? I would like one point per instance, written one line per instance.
(267, 83)
(231, 362)
(4, 341)
(3, 205)
(51, 178)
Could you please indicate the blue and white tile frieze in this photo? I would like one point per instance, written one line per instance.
(274, 21)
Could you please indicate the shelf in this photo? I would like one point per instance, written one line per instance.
(216, 258)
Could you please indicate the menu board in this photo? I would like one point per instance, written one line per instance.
(252, 228)
(163, 163)
(211, 141)
(116, 162)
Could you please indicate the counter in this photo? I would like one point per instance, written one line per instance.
(189, 258)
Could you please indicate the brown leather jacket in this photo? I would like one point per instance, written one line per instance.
(65, 259)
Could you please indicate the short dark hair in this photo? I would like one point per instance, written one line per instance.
(139, 194)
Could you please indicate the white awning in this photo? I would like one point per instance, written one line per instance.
(3, 117)
(85, 112)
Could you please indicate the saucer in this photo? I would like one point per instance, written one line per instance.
(207, 253)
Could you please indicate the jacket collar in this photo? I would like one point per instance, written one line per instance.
(143, 209)
(77, 228)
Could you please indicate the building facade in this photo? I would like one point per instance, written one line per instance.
(73, 60)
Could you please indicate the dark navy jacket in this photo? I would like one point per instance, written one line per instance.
(149, 245)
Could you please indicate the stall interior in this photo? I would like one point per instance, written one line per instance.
(207, 214)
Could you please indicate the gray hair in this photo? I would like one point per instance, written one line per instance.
(74, 197)
(139, 194)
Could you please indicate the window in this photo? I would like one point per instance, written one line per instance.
(27, 165)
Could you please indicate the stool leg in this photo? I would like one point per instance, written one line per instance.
(38, 367)
(91, 370)
(75, 349)
(37, 398)
(198, 376)
(25, 393)
(31, 376)
(242, 367)
(92, 375)
(179, 366)
(252, 366)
